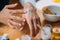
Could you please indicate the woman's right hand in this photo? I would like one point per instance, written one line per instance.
(7, 17)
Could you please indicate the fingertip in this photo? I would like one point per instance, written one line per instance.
(13, 28)
(19, 24)
(24, 20)
(16, 3)
(24, 11)
(10, 25)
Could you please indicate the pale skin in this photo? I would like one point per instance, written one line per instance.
(7, 17)
(31, 17)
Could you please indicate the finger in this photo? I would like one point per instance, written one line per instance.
(14, 27)
(19, 19)
(38, 21)
(11, 5)
(21, 29)
(14, 24)
(34, 21)
(20, 11)
(11, 26)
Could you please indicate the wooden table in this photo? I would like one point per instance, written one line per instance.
(13, 33)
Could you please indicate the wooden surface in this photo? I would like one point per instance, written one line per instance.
(13, 33)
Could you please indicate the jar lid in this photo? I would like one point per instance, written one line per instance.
(56, 29)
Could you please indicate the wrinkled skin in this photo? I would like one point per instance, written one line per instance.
(32, 18)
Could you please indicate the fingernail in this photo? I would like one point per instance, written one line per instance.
(21, 29)
(19, 24)
(24, 11)
(24, 20)
(15, 3)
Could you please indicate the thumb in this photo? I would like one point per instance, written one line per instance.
(11, 5)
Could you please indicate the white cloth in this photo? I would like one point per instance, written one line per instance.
(41, 3)
(25, 1)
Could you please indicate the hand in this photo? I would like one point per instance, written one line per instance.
(32, 19)
(7, 17)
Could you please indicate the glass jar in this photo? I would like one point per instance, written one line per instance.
(56, 32)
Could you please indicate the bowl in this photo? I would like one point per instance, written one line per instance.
(53, 18)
